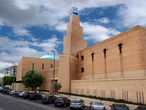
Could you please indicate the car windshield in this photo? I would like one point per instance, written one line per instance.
(31, 94)
(121, 108)
(75, 101)
(59, 99)
(45, 96)
(97, 103)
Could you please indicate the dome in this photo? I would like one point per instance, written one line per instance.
(48, 57)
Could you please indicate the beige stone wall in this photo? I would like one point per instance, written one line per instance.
(144, 44)
(20, 87)
(67, 71)
(26, 64)
(131, 58)
(127, 89)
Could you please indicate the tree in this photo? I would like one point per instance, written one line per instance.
(8, 80)
(57, 86)
(32, 79)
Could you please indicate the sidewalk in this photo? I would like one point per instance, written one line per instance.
(88, 100)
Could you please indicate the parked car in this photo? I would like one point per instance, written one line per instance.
(1, 89)
(62, 101)
(48, 99)
(4, 90)
(17, 93)
(34, 96)
(21, 93)
(77, 103)
(97, 106)
(8, 91)
(26, 95)
(119, 107)
(12, 92)
(141, 107)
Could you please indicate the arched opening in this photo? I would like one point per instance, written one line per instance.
(120, 47)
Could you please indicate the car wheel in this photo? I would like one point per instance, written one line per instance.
(65, 105)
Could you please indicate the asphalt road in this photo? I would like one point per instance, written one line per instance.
(12, 103)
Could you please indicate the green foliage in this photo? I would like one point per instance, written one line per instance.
(57, 87)
(32, 79)
(8, 80)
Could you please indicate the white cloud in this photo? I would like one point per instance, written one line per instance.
(13, 50)
(92, 32)
(1, 75)
(103, 20)
(24, 13)
(61, 26)
(97, 33)
(21, 32)
(133, 13)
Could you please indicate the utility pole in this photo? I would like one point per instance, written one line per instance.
(53, 71)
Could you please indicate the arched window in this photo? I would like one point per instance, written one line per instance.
(42, 66)
(92, 56)
(33, 66)
(120, 47)
(104, 52)
(82, 69)
(82, 58)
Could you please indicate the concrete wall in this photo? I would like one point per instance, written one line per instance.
(127, 89)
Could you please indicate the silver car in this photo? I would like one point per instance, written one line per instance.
(77, 103)
(21, 93)
(97, 106)
(12, 92)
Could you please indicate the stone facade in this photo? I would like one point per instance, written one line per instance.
(115, 67)
(42, 66)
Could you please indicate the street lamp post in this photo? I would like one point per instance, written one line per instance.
(53, 71)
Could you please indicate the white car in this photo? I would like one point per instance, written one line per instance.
(97, 106)
(77, 103)
(21, 93)
(12, 92)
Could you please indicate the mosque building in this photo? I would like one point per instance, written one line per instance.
(113, 68)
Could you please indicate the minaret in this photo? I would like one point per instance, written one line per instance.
(73, 41)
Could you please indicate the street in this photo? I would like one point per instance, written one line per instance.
(12, 103)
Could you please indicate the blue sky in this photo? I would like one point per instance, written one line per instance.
(33, 28)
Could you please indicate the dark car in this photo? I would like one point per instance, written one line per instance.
(5, 90)
(8, 91)
(119, 107)
(62, 101)
(17, 93)
(48, 99)
(141, 107)
(26, 95)
(34, 96)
